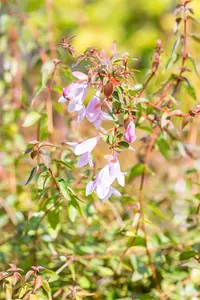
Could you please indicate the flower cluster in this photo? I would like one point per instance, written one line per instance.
(108, 78)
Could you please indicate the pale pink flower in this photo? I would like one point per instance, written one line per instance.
(94, 113)
(104, 179)
(84, 149)
(75, 93)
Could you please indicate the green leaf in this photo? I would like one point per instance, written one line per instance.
(64, 189)
(72, 211)
(135, 171)
(50, 275)
(62, 163)
(157, 211)
(43, 128)
(190, 89)
(46, 286)
(194, 19)
(53, 218)
(197, 196)
(192, 264)
(187, 255)
(123, 144)
(163, 147)
(195, 37)
(194, 65)
(108, 138)
(32, 174)
(139, 241)
(72, 269)
(105, 271)
(31, 119)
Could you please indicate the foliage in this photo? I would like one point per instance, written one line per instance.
(60, 240)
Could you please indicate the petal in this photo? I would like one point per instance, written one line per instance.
(102, 191)
(81, 114)
(103, 178)
(84, 160)
(90, 188)
(71, 106)
(90, 161)
(107, 196)
(97, 123)
(86, 146)
(62, 100)
(73, 144)
(115, 192)
(121, 178)
(93, 109)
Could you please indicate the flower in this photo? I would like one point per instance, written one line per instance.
(75, 93)
(94, 113)
(129, 135)
(84, 149)
(104, 179)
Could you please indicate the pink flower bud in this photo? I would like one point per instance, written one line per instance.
(129, 135)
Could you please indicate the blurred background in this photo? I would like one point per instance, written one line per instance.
(29, 29)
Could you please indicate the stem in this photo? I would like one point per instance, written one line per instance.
(141, 201)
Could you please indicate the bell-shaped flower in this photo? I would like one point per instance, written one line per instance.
(84, 149)
(129, 135)
(94, 113)
(104, 179)
(75, 93)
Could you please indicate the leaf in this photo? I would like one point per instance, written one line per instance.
(157, 211)
(190, 89)
(31, 119)
(50, 275)
(137, 170)
(184, 123)
(72, 211)
(62, 163)
(173, 56)
(53, 218)
(43, 128)
(194, 19)
(192, 264)
(137, 87)
(38, 282)
(163, 147)
(64, 189)
(46, 286)
(32, 174)
(105, 271)
(194, 65)
(195, 37)
(123, 144)
(139, 241)
(46, 158)
(197, 196)
(187, 255)
(108, 138)
(72, 269)
(28, 150)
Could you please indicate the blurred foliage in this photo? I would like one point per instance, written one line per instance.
(86, 237)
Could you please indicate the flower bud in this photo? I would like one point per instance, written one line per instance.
(129, 135)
